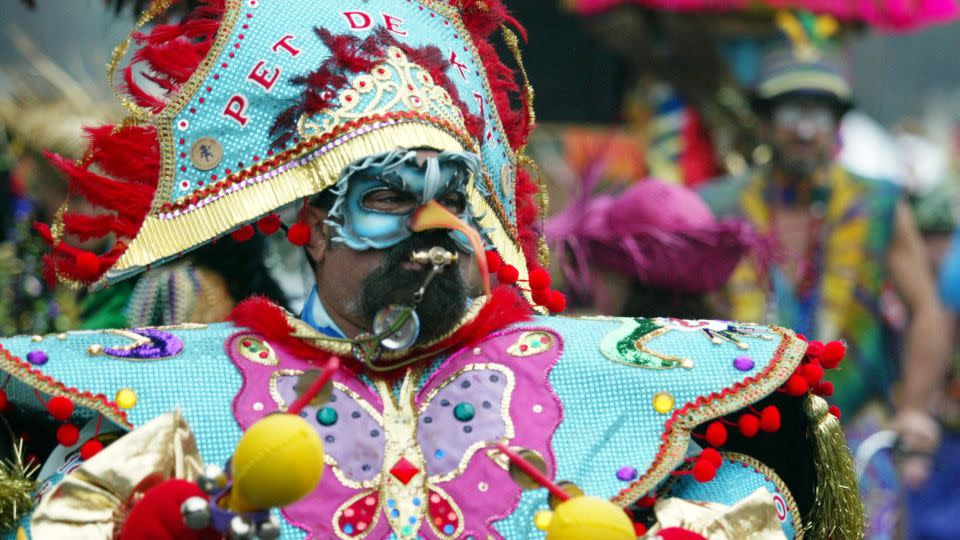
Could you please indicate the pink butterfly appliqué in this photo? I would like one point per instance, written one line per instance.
(414, 458)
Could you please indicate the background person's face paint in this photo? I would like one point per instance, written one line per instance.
(377, 196)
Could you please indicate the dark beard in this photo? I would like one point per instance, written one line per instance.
(444, 300)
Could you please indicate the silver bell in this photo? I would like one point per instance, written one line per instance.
(269, 529)
(241, 529)
(196, 513)
(213, 479)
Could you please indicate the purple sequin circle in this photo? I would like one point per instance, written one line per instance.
(743, 363)
(37, 358)
(626, 474)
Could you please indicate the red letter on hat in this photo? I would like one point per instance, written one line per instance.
(358, 20)
(259, 75)
(461, 66)
(283, 43)
(479, 98)
(393, 24)
(235, 109)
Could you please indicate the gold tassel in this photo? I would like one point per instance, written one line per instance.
(16, 488)
(837, 512)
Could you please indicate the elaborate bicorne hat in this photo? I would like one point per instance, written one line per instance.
(266, 101)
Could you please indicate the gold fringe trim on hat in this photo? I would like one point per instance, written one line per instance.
(837, 512)
(160, 238)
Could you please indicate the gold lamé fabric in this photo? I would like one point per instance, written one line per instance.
(91, 502)
(753, 518)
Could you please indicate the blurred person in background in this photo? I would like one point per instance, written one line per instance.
(653, 248)
(838, 239)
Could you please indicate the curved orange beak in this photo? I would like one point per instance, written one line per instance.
(432, 215)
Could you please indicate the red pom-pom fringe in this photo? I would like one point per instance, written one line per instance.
(60, 408)
(90, 449)
(299, 234)
(243, 233)
(68, 435)
(269, 224)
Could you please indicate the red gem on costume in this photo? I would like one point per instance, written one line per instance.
(748, 425)
(507, 274)
(90, 449)
(796, 386)
(539, 279)
(60, 408)
(716, 434)
(770, 419)
(68, 435)
(833, 354)
(404, 471)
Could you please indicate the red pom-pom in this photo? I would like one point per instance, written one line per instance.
(712, 456)
(639, 529)
(704, 471)
(493, 261)
(716, 433)
(812, 373)
(825, 389)
(541, 296)
(748, 425)
(557, 303)
(770, 419)
(157, 515)
(833, 353)
(243, 233)
(796, 386)
(90, 449)
(3, 400)
(60, 408)
(269, 224)
(88, 266)
(647, 501)
(298, 234)
(835, 411)
(539, 279)
(814, 350)
(507, 274)
(68, 435)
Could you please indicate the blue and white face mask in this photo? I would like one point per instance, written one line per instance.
(377, 196)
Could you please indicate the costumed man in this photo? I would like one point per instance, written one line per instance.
(393, 123)
(839, 238)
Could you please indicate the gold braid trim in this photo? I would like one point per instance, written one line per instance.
(156, 8)
(837, 512)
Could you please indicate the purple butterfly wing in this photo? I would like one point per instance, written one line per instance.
(508, 392)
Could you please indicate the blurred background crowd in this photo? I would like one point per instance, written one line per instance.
(795, 162)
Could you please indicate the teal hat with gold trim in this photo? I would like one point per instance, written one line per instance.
(247, 106)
